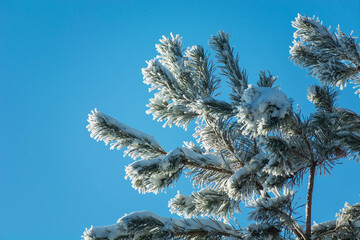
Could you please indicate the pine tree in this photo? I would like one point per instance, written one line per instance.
(254, 148)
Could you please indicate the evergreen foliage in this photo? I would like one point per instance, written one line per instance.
(254, 149)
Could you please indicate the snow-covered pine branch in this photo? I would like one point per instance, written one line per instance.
(285, 159)
(262, 231)
(147, 225)
(238, 78)
(338, 129)
(349, 133)
(201, 70)
(248, 150)
(347, 225)
(118, 135)
(185, 83)
(332, 58)
(324, 230)
(349, 214)
(206, 202)
(157, 174)
(311, 32)
(246, 182)
(323, 97)
(271, 210)
(223, 136)
(274, 213)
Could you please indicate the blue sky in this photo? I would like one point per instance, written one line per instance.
(61, 59)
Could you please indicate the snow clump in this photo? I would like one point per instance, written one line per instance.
(262, 107)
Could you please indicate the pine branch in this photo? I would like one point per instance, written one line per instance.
(332, 58)
(266, 79)
(349, 134)
(336, 230)
(323, 97)
(230, 69)
(157, 174)
(210, 168)
(295, 228)
(276, 212)
(202, 71)
(223, 136)
(107, 129)
(284, 158)
(147, 225)
(245, 182)
(185, 82)
(206, 202)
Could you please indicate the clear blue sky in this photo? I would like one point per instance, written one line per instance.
(61, 59)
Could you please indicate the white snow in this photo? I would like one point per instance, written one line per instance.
(239, 175)
(202, 159)
(107, 232)
(238, 184)
(98, 117)
(184, 226)
(317, 26)
(152, 180)
(311, 93)
(320, 226)
(279, 201)
(260, 104)
(163, 167)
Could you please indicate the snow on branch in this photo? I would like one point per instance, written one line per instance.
(311, 32)
(170, 102)
(274, 213)
(261, 109)
(204, 160)
(160, 78)
(349, 214)
(147, 225)
(270, 210)
(245, 182)
(223, 136)
(332, 58)
(285, 159)
(348, 135)
(154, 175)
(347, 225)
(322, 97)
(322, 230)
(262, 231)
(174, 113)
(206, 202)
(105, 128)
(185, 84)
(230, 69)
(201, 71)
(171, 57)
